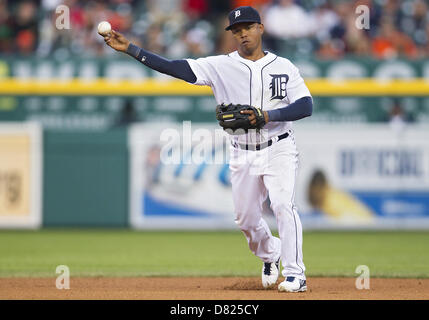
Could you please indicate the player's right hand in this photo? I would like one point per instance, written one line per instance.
(117, 41)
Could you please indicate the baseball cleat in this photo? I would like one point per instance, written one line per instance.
(292, 284)
(270, 273)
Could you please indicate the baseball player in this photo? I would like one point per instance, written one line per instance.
(263, 162)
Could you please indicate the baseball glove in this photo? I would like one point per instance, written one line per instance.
(231, 119)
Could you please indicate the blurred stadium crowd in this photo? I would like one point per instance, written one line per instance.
(193, 28)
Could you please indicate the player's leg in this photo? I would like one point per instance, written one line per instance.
(249, 193)
(279, 179)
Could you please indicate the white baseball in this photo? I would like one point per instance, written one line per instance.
(104, 28)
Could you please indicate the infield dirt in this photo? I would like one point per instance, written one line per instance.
(216, 288)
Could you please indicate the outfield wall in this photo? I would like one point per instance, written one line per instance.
(350, 177)
(85, 179)
(57, 179)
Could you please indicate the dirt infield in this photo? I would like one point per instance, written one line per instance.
(193, 288)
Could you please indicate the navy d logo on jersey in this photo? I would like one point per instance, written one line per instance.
(278, 86)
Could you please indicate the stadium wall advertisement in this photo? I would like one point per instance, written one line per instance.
(350, 177)
(20, 175)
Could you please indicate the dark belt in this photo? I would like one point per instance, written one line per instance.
(260, 146)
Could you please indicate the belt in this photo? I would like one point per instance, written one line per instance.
(255, 147)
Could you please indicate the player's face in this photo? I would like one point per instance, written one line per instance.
(247, 36)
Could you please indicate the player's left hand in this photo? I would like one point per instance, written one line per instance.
(252, 116)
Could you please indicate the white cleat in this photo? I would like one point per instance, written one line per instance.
(270, 273)
(292, 284)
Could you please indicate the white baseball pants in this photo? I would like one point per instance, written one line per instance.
(256, 175)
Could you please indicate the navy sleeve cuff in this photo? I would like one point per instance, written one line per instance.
(133, 50)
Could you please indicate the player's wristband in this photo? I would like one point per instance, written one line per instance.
(134, 51)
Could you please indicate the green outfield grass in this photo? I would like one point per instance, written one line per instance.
(139, 253)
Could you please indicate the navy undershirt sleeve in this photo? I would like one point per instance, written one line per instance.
(176, 68)
(299, 109)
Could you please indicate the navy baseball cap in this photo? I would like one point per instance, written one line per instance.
(243, 14)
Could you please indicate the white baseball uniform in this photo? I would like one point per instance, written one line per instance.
(268, 83)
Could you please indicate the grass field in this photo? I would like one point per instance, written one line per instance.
(137, 253)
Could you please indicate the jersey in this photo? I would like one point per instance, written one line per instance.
(269, 83)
